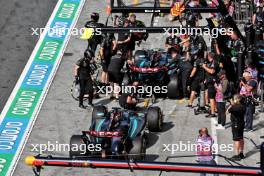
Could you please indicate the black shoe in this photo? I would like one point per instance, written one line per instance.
(235, 158)
(91, 104)
(82, 106)
(213, 115)
(189, 106)
(241, 155)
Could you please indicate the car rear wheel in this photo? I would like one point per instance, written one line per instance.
(138, 150)
(154, 119)
(173, 88)
(78, 146)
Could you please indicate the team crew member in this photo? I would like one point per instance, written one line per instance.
(115, 75)
(172, 42)
(195, 79)
(82, 73)
(210, 68)
(237, 110)
(94, 40)
(128, 100)
(124, 38)
(107, 50)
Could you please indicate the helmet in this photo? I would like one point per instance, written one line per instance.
(88, 54)
(95, 16)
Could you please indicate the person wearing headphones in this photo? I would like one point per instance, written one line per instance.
(95, 39)
(82, 73)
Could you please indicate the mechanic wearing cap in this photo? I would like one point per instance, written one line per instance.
(94, 40)
(107, 50)
(82, 73)
(211, 69)
(248, 90)
(172, 41)
(124, 38)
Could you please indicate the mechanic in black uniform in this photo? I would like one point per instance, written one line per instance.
(95, 39)
(107, 50)
(82, 73)
(198, 53)
(124, 38)
(211, 69)
(128, 100)
(115, 75)
(172, 41)
(132, 42)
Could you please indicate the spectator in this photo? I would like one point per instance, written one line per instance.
(248, 90)
(237, 110)
(204, 143)
(221, 87)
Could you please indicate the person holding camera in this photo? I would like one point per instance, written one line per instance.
(210, 67)
(221, 87)
(237, 110)
(248, 90)
(204, 149)
(82, 73)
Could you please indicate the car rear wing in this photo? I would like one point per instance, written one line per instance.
(103, 134)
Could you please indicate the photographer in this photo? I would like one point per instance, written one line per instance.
(237, 110)
(248, 90)
(221, 87)
(82, 73)
(210, 67)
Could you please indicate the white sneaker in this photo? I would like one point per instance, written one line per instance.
(220, 127)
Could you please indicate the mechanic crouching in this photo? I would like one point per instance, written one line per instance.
(82, 73)
(248, 90)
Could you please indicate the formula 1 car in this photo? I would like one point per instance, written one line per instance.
(119, 133)
(154, 68)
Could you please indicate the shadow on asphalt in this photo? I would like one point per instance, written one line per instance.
(167, 126)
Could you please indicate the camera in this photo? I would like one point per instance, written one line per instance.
(242, 79)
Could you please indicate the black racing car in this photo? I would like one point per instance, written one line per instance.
(120, 133)
(154, 68)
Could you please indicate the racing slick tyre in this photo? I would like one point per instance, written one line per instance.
(77, 143)
(154, 119)
(138, 150)
(173, 88)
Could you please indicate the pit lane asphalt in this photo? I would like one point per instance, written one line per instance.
(60, 116)
(16, 41)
